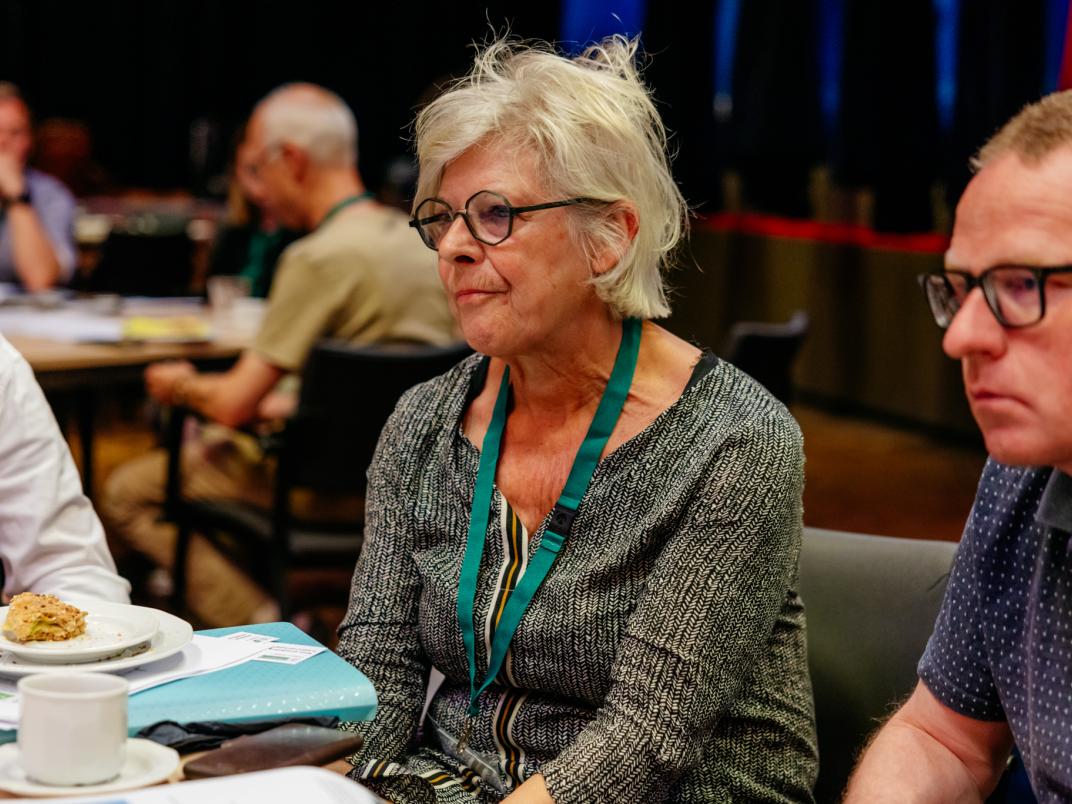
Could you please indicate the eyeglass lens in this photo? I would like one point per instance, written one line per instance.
(487, 215)
(1012, 293)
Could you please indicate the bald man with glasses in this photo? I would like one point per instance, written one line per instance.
(998, 667)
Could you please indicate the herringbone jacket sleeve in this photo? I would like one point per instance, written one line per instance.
(705, 622)
(379, 634)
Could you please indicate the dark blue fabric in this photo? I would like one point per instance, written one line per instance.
(1054, 30)
(585, 21)
(946, 42)
(830, 53)
(727, 18)
(1002, 644)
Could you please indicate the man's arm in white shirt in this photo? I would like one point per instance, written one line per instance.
(50, 537)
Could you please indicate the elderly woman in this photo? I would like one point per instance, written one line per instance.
(589, 527)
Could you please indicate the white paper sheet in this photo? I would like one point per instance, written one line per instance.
(68, 326)
(203, 655)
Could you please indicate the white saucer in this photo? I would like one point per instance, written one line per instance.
(172, 635)
(111, 628)
(147, 763)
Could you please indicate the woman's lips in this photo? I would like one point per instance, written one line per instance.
(471, 294)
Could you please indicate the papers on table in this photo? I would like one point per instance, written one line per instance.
(97, 320)
(281, 653)
(203, 655)
(67, 326)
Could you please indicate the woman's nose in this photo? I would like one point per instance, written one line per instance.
(458, 243)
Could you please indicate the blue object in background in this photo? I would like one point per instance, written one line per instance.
(727, 18)
(585, 21)
(1054, 29)
(830, 53)
(946, 44)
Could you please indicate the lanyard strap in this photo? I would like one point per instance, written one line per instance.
(350, 199)
(584, 466)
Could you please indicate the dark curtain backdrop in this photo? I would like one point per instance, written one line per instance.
(141, 74)
(163, 85)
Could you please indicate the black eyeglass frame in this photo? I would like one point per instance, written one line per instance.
(982, 281)
(419, 223)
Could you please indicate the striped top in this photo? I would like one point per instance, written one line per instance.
(663, 659)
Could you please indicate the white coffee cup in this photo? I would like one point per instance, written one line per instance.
(72, 727)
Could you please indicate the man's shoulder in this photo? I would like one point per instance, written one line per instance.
(1006, 505)
(15, 372)
(9, 356)
(365, 236)
(44, 186)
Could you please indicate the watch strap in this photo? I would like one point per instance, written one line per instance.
(23, 198)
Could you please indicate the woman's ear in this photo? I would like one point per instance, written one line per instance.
(624, 222)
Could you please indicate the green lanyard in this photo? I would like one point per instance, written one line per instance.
(350, 199)
(584, 466)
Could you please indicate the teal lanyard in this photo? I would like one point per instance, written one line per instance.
(584, 466)
(350, 199)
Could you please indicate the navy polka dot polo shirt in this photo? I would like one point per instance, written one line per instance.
(1002, 644)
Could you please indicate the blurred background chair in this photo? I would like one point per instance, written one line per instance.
(767, 351)
(151, 255)
(347, 393)
(871, 602)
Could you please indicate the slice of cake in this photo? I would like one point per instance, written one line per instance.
(42, 618)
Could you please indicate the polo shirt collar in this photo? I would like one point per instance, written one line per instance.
(1055, 507)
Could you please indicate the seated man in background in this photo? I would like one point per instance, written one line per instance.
(250, 241)
(998, 666)
(36, 210)
(50, 538)
(361, 275)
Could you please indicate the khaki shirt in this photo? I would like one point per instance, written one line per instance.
(363, 276)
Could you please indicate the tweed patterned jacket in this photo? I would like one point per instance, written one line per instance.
(663, 659)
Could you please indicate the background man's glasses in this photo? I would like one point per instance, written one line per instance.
(1015, 293)
(488, 216)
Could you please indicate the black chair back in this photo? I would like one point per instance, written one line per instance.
(144, 265)
(871, 603)
(346, 396)
(767, 351)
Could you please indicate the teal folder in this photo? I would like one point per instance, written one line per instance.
(325, 684)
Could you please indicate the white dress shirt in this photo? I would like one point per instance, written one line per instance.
(50, 537)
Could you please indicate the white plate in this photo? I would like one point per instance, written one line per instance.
(146, 763)
(111, 628)
(172, 635)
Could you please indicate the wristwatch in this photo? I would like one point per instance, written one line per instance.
(7, 201)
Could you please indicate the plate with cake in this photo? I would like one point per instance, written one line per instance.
(44, 630)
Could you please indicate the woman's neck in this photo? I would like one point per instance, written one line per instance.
(569, 372)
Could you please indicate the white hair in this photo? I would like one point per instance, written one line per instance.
(315, 119)
(594, 132)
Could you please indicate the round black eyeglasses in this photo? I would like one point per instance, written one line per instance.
(488, 216)
(1015, 294)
